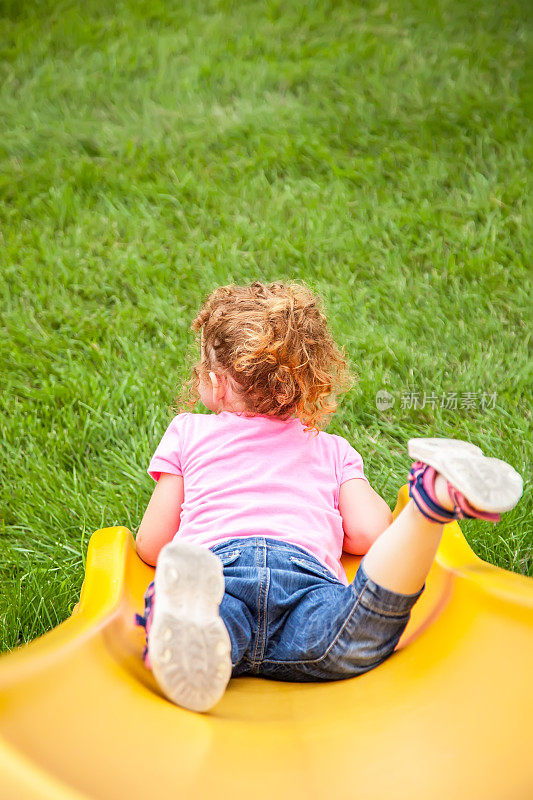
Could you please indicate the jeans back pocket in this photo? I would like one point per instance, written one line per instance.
(314, 568)
(228, 558)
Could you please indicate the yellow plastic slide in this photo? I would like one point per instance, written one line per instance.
(449, 715)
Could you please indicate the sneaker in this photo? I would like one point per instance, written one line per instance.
(487, 484)
(188, 643)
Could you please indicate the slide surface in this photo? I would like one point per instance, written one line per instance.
(448, 715)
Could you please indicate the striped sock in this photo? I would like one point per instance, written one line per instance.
(146, 620)
(422, 492)
(466, 511)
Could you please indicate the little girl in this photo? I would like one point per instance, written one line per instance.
(255, 503)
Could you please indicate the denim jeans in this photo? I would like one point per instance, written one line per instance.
(290, 619)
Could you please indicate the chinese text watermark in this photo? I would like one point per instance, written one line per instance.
(451, 401)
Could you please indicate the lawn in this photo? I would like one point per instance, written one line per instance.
(150, 151)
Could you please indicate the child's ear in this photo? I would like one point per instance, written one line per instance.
(218, 389)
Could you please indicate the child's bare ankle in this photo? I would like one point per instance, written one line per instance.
(441, 492)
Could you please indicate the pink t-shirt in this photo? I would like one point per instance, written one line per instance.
(259, 476)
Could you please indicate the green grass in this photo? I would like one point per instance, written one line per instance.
(152, 150)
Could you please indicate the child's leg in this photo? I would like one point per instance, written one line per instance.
(358, 627)
(400, 559)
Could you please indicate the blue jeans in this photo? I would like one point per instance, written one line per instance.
(290, 619)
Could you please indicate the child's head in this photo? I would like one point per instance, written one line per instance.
(268, 347)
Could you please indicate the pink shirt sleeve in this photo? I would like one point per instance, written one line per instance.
(352, 465)
(167, 456)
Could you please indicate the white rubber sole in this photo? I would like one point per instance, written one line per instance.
(188, 642)
(487, 483)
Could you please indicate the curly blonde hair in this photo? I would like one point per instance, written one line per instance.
(272, 343)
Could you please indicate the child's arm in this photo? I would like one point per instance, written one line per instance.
(161, 519)
(365, 515)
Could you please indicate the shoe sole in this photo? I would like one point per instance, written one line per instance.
(489, 484)
(188, 643)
